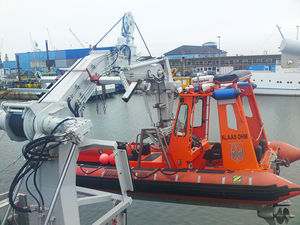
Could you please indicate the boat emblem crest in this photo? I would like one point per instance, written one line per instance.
(237, 151)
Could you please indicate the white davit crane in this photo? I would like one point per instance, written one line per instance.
(75, 36)
(56, 130)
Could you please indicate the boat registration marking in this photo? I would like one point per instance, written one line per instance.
(223, 180)
(236, 179)
(199, 179)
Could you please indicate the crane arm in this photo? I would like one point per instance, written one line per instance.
(67, 97)
(57, 119)
(77, 39)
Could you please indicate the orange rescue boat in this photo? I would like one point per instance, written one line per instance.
(181, 164)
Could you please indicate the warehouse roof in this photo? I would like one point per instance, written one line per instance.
(192, 49)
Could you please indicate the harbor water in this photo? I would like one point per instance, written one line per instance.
(123, 121)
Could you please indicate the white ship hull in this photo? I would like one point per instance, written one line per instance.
(281, 82)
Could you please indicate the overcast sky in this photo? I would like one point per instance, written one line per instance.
(246, 26)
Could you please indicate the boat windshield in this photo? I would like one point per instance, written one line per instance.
(198, 109)
(181, 123)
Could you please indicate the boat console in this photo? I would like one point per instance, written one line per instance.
(233, 76)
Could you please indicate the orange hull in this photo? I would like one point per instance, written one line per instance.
(286, 151)
(249, 187)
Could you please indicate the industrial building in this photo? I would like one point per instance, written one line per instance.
(208, 49)
(208, 58)
(187, 59)
(33, 61)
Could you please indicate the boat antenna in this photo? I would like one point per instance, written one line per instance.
(278, 27)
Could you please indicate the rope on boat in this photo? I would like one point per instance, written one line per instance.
(168, 174)
(261, 129)
(147, 176)
(86, 172)
(154, 172)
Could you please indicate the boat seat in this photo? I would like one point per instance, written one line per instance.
(152, 157)
(215, 153)
(132, 157)
(233, 76)
(134, 153)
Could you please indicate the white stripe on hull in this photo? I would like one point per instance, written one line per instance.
(276, 91)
